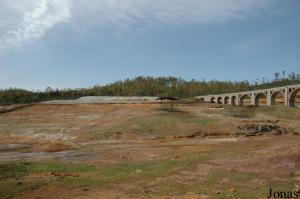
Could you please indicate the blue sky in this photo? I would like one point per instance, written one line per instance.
(80, 43)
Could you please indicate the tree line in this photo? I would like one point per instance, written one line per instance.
(148, 86)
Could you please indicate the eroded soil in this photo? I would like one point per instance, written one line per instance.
(185, 150)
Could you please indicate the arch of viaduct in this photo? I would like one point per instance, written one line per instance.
(288, 92)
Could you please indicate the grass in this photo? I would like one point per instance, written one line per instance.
(281, 112)
(160, 177)
(240, 112)
(108, 177)
(161, 124)
(91, 176)
(19, 169)
(13, 175)
(235, 180)
(143, 174)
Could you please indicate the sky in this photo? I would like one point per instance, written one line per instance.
(82, 43)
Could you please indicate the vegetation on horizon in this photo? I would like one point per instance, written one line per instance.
(148, 86)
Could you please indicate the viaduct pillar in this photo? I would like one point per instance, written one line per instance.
(230, 100)
(252, 96)
(238, 100)
(223, 99)
(269, 99)
(286, 97)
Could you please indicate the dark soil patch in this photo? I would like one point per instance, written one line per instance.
(252, 128)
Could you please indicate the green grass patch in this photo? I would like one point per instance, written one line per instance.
(281, 112)
(240, 112)
(89, 176)
(164, 124)
(19, 169)
(142, 174)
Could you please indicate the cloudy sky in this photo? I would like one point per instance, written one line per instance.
(80, 43)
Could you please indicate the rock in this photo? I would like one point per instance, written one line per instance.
(139, 171)
(265, 127)
(189, 136)
(196, 197)
(61, 174)
(297, 178)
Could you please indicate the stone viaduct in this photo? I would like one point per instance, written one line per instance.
(288, 94)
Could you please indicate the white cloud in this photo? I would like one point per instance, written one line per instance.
(31, 19)
(154, 14)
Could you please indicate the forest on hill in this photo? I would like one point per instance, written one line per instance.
(148, 86)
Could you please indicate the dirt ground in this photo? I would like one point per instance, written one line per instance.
(148, 150)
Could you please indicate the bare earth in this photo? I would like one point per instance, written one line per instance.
(148, 150)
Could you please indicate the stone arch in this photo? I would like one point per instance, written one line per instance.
(233, 100)
(294, 99)
(226, 100)
(245, 100)
(277, 98)
(261, 99)
(213, 100)
(219, 100)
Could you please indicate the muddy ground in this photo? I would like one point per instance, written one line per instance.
(153, 150)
